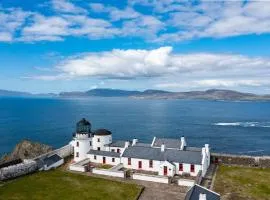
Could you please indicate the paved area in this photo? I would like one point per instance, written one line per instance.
(208, 179)
(160, 191)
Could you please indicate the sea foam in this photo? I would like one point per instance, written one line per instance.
(244, 124)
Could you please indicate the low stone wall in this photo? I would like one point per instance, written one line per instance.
(148, 177)
(185, 182)
(64, 152)
(28, 166)
(108, 172)
(241, 160)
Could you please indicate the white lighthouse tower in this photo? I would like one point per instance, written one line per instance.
(82, 142)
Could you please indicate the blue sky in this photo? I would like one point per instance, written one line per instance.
(61, 45)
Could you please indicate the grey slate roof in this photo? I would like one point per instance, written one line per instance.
(51, 159)
(140, 144)
(171, 155)
(196, 190)
(118, 143)
(104, 153)
(193, 149)
(168, 142)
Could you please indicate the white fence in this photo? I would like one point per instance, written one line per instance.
(28, 166)
(153, 178)
(186, 182)
(80, 166)
(108, 172)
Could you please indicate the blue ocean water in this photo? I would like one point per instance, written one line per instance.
(232, 127)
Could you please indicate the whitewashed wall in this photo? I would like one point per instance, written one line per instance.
(146, 177)
(82, 149)
(103, 141)
(145, 164)
(186, 182)
(186, 169)
(99, 159)
(55, 165)
(78, 168)
(106, 172)
(170, 169)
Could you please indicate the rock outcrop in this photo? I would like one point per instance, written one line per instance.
(25, 150)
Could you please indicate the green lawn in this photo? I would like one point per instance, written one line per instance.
(243, 183)
(59, 185)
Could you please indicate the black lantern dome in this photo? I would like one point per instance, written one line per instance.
(83, 126)
(102, 132)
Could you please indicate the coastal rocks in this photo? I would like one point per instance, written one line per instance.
(25, 150)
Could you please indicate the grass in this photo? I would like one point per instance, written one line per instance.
(104, 166)
(243, 183)
(57, 184)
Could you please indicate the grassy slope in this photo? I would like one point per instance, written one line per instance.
(63, 185)
(243, 182)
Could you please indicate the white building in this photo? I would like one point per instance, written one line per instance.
(167, 157)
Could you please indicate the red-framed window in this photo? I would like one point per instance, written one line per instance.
(192, 168)
(77, 144)
(77, 154)
(95, 157)
(151, 163)
(180, 167)
(113, 159)
(118, 150)
(129, 161)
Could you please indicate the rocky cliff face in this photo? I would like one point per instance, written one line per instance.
(27, 149)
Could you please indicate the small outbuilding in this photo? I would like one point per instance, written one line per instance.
(52, 162)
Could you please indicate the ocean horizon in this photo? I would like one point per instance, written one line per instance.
(228, 126)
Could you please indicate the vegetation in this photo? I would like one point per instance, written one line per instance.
(104, 166)
(243, 183)
(59, 184)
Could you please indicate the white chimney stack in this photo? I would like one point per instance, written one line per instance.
(162, 148)
(134, 141)
(202, 196)
(126, 144)
(183, 143)
(207, 149)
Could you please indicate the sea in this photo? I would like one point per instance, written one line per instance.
(227, 126)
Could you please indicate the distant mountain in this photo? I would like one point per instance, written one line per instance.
(212, 94)
(111, 93)
(13, 93)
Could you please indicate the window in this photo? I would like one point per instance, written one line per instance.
(90, 143)
(192, 168)
(95, 157)
(151, 163)
(113, 159)
(139, 164)
(118, 150)
(180, 167)
(98, 148)
(77, 144)
(113, 150)
(98, 139)
(129, 161)
(77, 154)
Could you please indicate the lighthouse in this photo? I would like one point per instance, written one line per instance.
(82, 141)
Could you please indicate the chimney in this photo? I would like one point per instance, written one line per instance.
(134, 141)
(183, 143)
(207, 149)
(202, 196)
(126, 144)
(162, 148)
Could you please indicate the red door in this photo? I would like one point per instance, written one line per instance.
(165, 170)
(104, 160)
(140, 164)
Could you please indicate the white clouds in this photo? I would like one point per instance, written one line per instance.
(67, 7)
(154, 21)
(166, 69)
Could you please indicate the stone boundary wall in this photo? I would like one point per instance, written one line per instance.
(241, 160)
(64, 152)
(27, 167)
